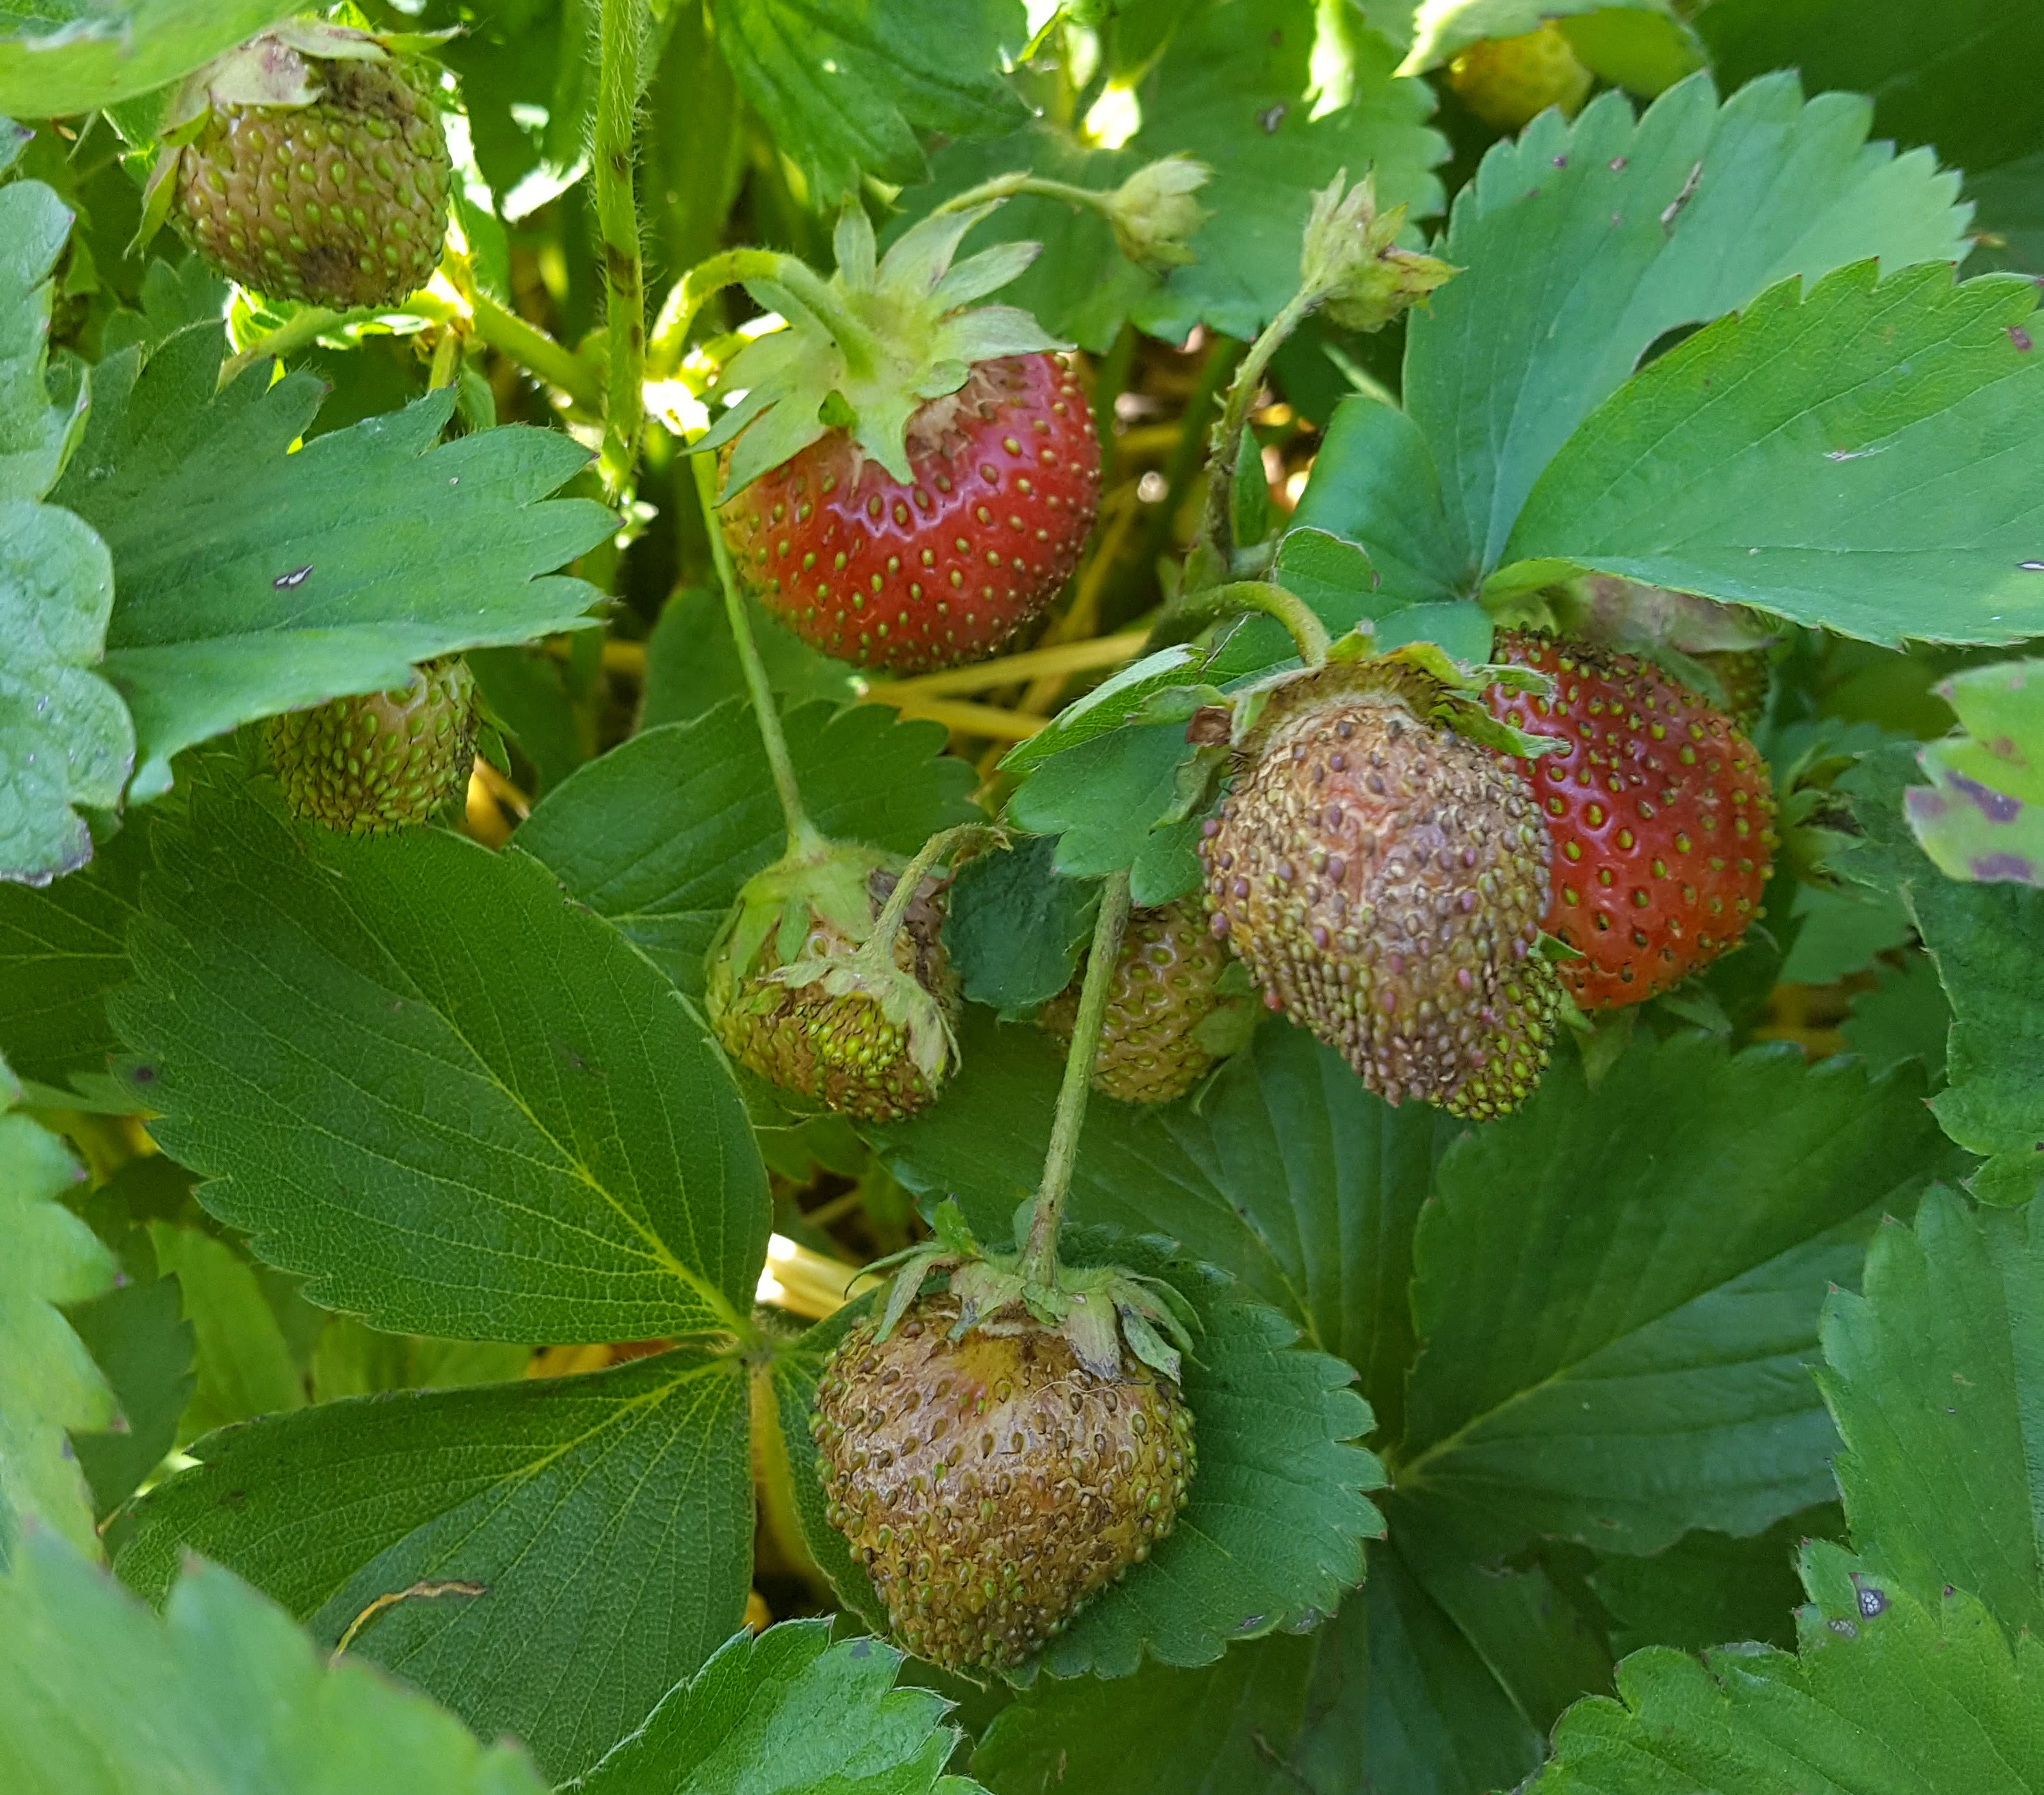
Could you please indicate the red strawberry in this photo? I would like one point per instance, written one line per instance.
(1660, 811)
(943, 567)
(908, 479)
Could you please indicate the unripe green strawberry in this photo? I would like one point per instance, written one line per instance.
(1168, 1021)
(318, 171)
(991, 1483)
(382, 761)
(1508, 82)
(1383, 878)
(1744, 674)
(797, 994)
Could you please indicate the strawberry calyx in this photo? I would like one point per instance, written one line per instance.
(1096, 1309)
(867, 348)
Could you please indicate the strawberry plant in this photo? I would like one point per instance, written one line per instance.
(1130, 896)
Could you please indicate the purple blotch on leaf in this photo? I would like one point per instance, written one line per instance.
(2019, 336)
(1996, 806)
(1988, 868)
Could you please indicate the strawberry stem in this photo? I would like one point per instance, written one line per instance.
(888, 924)
(863, 350)
(620, 42)
(804, 839)
(1215, 532)
(1021, 181)
(1308, 634)
(1039, 1252)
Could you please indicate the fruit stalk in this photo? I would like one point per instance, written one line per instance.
(622, 28)
(1215, 532)
(803, 838)
(1308, 634)
(735, 267)
(1039, 1252)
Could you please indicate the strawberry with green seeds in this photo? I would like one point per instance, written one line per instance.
(382, 761)
(1509, 82)
(1661, 812)
(909, 479)
(997, 1450)
(829, 979)
(1171, 1016)
(308, 163)
(1382, 873)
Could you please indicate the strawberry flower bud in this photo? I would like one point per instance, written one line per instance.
(1352, 259)
(1154, 215)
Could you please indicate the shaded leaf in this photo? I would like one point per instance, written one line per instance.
(243, 1364)
(607, 1517)
(1709, 1588)
(1014, 929)
(59, 57)
(220, 1693)
(143, 1349)
(692, 666)
(537, 1142)
(1617, 1322)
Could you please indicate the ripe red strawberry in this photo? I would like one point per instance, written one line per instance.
(945, 566)
(907, 481)
(1660, 813)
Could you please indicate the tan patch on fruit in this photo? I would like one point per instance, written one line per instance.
(340, 203)
(382, 761)
(1384, 880)
(991, 1485)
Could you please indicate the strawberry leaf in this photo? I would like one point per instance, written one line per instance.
(538, 1144)
(791, 1707)
(848, 87)
(220, 1692)
(659, 835)
(1582, 244)
(48, 1381)
(1889, 1695)
(1983, 815)
(1933, 1380)
(251, 580)
(59, 57)
(1857, 458)
(1589, 1279)
(563, 1498)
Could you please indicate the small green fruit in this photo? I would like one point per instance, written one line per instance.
(1509, 82)
(991, 1484)
(383, 761)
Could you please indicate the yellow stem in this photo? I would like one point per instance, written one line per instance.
(1066, 658)
(963, 719)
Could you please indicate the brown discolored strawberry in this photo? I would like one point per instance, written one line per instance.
(1661, 812)
(990, 1483)
(945, 566)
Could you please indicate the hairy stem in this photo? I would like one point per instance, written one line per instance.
(620, 35)
(1021, 181)
(1040, 1253)
(1308, 634)
(1215, 532)
(803, 837)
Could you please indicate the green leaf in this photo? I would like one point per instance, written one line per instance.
(1579, 250)
(1014, 929)
(144, 1348)
(251, 580)
(534, 1140)
(1619, 1291)
(1373, 481)
(1888, 1696)
(62, 949)
(791, 1713)
(65, 737)
(1988, 941)
(1905, 1016)
(59, 57)
(1104, 798)
(1642, 44)
(848, 85)
(1271, 1533)
(660, 834)
(1707, 1587)
(526, 690)
(1287, 1173)
(692, 666)
(221, 1693)
(608, 1517)
(1982, 817)
(1934, 1381)
(48, 1381)
(1224, 1726)
(351, 1359)
(1855, 458)
(245, 1366)
(1235, 88)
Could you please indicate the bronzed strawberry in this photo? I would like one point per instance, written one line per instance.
(1382, 876)
(943, 567)
(1661, 812)
(908, 480)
